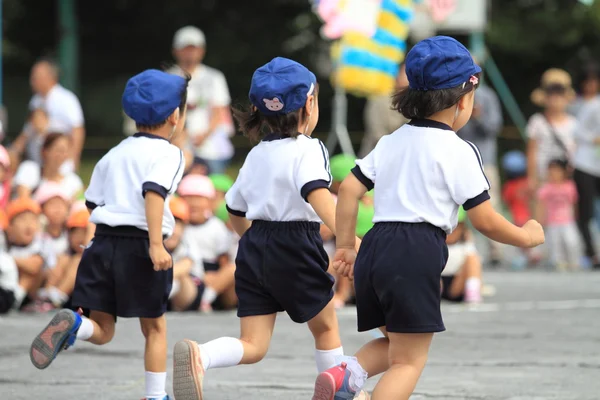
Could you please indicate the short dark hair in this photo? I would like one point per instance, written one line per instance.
(182, 103)
(560, 163)
(252, 123)
(51, 138)
(419, 104)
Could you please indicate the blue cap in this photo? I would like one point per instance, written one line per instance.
(281, 86)
(514, 162)
(440, 62)
(151, 96)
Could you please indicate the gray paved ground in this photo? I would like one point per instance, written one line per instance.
(537, 338)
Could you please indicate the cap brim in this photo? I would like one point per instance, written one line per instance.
(188, 43)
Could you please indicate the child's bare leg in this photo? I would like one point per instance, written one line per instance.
(407, 358)
(68, 282)
(103, 328)
(186, 294)
(228, 298)
(373, 356)
(467, 281)
(222, 279)
(324, 328)
(155, 355)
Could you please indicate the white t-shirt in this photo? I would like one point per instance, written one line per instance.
(138, 164)
(422, 172)
(37, 247)
(186, 250)
(29, 174)
(9, 273)
(277, 177)
(59, 245)
(457, 255)
(587, 154)
(208, 88)
(62, 106)
(548, 148)
(212, 239)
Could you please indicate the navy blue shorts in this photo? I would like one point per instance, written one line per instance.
(397, 278)
(282, 266)
(116, 275)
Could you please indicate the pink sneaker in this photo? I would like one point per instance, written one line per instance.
(188, 372)
(473, 296)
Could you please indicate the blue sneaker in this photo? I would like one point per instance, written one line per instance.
(334, 384)
(157, 398)
(58, 335)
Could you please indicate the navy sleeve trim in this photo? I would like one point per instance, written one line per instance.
(235, 212)
(311, 186)
(154, 187)
(362, 178)
(90, 205)
(477, 200)
(476, 150)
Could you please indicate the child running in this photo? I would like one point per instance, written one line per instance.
(126, 270)
(283, 188)
(421, 174)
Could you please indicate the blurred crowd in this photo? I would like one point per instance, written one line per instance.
(44, 219)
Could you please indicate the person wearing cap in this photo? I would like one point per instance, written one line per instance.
(5, 177)
(222, 184)
(461, 278)
(128, 200)
(209, 125)
(55, 204)
(24, 243)
(188, 269)
(283, 188)
(422, 173)
(209, 235)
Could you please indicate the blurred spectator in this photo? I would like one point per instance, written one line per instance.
(222, 184)
(5, 177)
(380, 118)
(9, 282)
(586, 159)
(557, 199)
(515, 192)
(461, 278)
(25, 245)
(188, 271)
(55, 204)
(213, 240)
(551, 132)
(587, 86)
(209, 123)
(31, 140)
(482, 130)
(63, 112)
(30, 175)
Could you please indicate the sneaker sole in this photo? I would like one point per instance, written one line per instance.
(324, 387)
(187, 385)
(51, 340)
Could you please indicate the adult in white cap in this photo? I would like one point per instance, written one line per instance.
(209, 125)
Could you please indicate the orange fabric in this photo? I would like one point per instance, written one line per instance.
(180, 209)
(78, 219)
(22, 205)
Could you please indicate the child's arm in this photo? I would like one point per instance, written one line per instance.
(155, 205)
(493, 225)
(350, 192)
(322, 202)
(30, 265)
(532, 163)
(240, 224)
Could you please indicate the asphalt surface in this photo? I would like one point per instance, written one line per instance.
(537, 338)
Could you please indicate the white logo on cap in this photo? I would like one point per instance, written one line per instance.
(273, 105)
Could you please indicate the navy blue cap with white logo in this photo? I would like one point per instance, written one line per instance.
(151, 96)
(281, 86)
(440, 62)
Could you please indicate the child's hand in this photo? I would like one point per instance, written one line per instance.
(161, 258)
(535, 232)
(343, 262)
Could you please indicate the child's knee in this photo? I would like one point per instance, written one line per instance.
(153, 326)
(254, 351)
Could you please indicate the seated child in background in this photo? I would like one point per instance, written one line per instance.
(557, 199)
(211, 237)
(55, 203)
(222, 213)
(5, 174)
(188, 288)
(25, 245)
(61, 281)
(461, 278)
(515, 192)
(340, 166)
(31, 140)
(9, 282)
(222, 184)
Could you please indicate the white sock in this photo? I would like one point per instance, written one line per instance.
(86, 329)
(221, 352)
(326, 358)
(175, 288)
(20, 294)
(155, 385)
(57, 296)
(209, 295)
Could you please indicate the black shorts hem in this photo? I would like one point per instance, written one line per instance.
(312, 313)
(404, 329)
(92, 307)
(142, 314)
(251, 313)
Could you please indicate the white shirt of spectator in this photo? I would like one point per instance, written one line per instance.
(587, 154)
(59, 245)
(539, 129)
(422, 172)
(457, 255)
(121, 178)
(276, 178)
(187, 250)
(212, 239)
(207, 88)
(29, 174)
(62, 106)
(37, 247)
